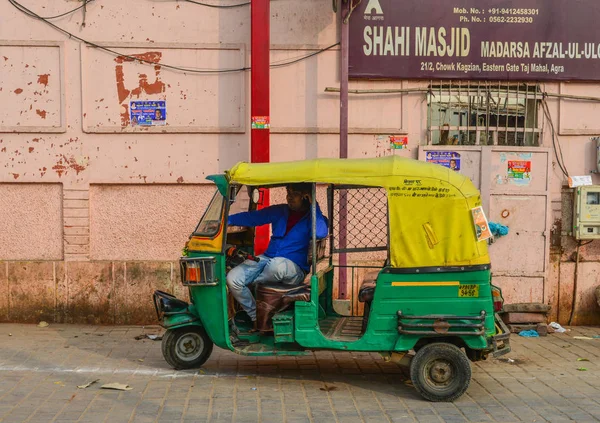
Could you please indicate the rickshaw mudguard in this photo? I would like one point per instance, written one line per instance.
(178, 320)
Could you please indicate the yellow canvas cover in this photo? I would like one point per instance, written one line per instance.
(429, 205)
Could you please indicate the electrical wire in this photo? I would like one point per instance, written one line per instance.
(560, 160)
(85, 3)
(34, 15)
(218, 6)
(299, 59)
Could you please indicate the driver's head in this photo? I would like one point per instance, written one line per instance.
(298, 196)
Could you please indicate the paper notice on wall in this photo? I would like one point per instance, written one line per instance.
(398, 143)
(482, 228)
(261, 122)
(519, 172)
(449, 159)
(579, 181)
(147, 113)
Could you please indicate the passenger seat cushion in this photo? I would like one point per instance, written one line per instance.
(367, 288)
(273, 298)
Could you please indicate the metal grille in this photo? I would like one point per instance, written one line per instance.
(483, 113)
(359, 219)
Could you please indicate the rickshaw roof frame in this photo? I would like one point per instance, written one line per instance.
(430, 206)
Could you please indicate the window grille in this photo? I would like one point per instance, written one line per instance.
(359, 222)
(483, 113)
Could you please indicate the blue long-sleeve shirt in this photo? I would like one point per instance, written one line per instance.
(293, 245)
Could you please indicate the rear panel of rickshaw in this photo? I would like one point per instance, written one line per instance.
(449, 306)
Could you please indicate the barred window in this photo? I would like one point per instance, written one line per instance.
(483, 113)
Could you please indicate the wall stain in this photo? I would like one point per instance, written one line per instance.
(65, 163)
(18, 90)
(43, 79)
(41, 113)
(31, 149)
(15, 175)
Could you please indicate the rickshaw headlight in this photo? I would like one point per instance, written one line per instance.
(198, 271)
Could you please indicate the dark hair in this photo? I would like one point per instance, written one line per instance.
(304, 187)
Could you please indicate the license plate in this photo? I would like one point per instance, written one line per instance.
(468, 291)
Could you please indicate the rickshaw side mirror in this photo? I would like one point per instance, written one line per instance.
(232, 194)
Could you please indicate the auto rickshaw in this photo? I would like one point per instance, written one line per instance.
(430, 293)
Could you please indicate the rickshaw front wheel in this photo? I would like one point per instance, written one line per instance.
(187, 347)
(440, 372)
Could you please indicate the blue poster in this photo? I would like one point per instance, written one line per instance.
(148, 113)
(449, 159)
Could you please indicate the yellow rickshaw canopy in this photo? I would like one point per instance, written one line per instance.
(429, 206)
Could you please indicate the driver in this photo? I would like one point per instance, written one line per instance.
(286, 258)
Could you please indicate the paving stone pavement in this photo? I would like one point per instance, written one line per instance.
(40, 369)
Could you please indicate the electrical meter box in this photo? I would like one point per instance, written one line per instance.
(586, 216)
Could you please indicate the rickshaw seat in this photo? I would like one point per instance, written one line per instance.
(367, 288)
(273, 298)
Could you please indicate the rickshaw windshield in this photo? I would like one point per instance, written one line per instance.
(211, 221)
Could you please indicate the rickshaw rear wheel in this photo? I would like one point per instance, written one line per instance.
(440, 372)
(187, 347)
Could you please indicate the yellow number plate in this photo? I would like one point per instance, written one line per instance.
(468, 291)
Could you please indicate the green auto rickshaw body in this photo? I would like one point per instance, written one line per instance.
(435, 285)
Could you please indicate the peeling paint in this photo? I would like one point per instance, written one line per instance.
(65, 163)
(31, 149)
(43, 79)
(144, 86)
(41, 113)
(18, 91)
(15, 175)
(180, 179)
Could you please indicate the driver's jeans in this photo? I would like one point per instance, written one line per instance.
(276, 269)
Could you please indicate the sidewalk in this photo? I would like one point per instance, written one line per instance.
(40, 369)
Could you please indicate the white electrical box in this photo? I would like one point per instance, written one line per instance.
(586, 216)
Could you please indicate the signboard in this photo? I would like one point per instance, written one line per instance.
(449, 159)
(475, 39)
(148, 113)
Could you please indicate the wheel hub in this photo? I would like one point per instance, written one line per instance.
(189, 346)
(440, 372)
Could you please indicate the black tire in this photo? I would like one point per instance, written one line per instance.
(186, 348)
(440, 372)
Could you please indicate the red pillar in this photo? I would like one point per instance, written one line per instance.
(259, 107)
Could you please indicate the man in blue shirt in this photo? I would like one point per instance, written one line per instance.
(286, 258)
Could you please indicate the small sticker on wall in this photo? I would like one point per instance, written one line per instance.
(260, 122)
(147, 112)
(519, 172)
(449, 159)
(398, 143)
